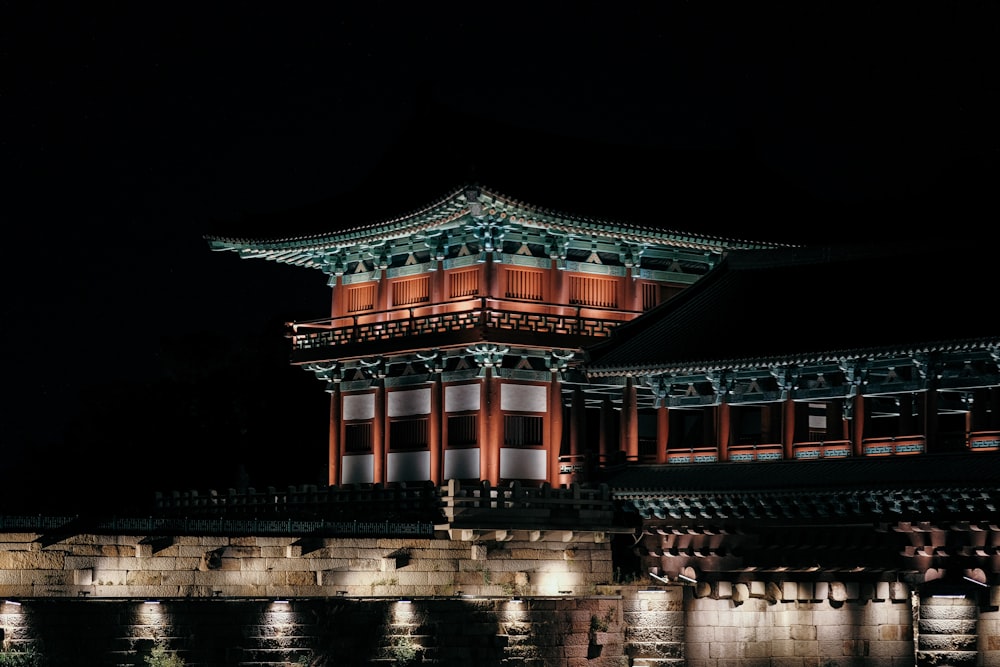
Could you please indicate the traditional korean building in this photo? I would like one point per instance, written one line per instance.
(453, 328)
(785, 423)
(823, 414)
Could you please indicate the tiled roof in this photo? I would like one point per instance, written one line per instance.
(959, 470)
(807, 304)
(452, 206)
(919, 488)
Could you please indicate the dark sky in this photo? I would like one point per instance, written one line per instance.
(129, 130)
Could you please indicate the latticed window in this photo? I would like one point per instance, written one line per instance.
(462, 430)
(408, 434)
(358, 437)
(361, 297)
(650, 295)
(523, 430)
(524, 284)
(412, 290)
(590, 291)
(463, 283)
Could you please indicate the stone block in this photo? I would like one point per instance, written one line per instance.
(140, 578)
(789, 591)
(177, 577)
(302, 578)
(27, 560)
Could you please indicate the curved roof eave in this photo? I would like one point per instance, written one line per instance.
(684, 367)
(454, 205)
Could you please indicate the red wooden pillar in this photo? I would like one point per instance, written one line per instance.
(723, 433)
(555, 429)
(630, 421)
(378, 434)
(335, 450)
(662, 433)
(788, 436)
(434, 434)
(489, 451)
(857, 445)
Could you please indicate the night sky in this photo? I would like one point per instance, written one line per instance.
(137, 360)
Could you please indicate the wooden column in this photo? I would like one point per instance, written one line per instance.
(335, 449)
(489, 450)
(378, 434)
(788, 437)
(630, 421)
(858, 436)
(662, 433)
(435, 430)
(555, 429)
(723, 433)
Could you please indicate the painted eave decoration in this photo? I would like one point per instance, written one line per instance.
(470, 215)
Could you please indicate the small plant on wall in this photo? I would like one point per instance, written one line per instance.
(159, 656)
(404, 652)
(20, 659)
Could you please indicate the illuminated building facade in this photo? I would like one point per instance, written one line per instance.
(453, 330)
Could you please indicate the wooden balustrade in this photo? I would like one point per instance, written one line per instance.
(894, 445)
(504, 314)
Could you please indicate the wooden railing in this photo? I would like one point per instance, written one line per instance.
(457, 496)
(894, 445)
(821, 449)
(456, 316)
(693, 455)
(984, 441)
(768, 452)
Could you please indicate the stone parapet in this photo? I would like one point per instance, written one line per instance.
(129, 567)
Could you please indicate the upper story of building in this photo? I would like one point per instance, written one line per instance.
(479, 266)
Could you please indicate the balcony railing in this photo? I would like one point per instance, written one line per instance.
(984, 441)
(457, 316)
(894, 445)
(821, 449)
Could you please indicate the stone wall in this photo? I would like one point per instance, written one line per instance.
(342, 632)
(132, 567)
(537, 599)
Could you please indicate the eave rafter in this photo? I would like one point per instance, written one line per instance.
(464, 214)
